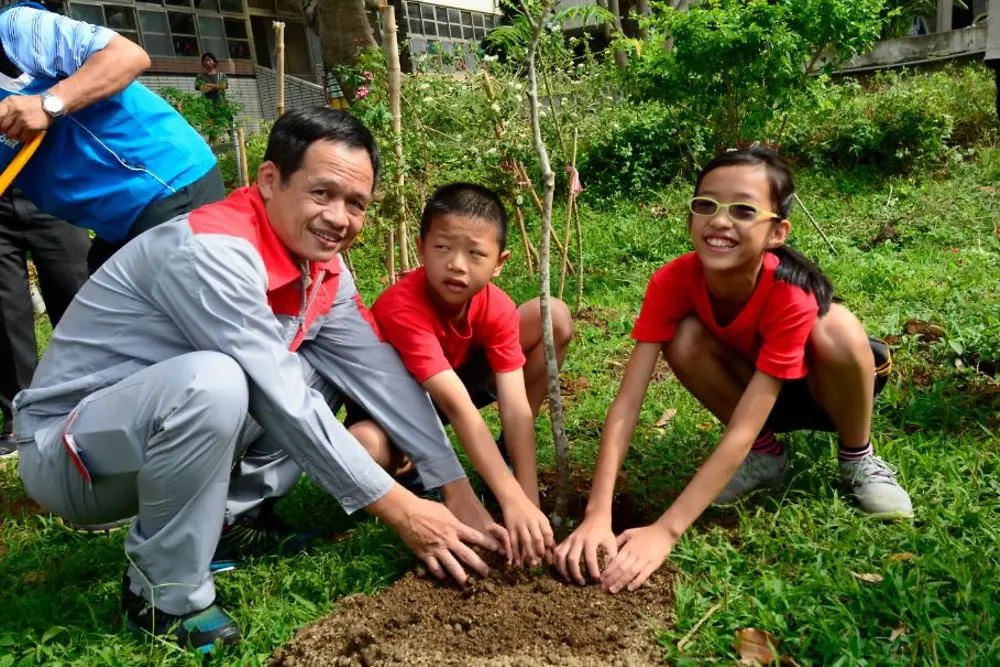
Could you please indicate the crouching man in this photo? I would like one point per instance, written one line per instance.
(196, 375)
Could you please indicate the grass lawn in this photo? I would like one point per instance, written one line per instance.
(784, 562)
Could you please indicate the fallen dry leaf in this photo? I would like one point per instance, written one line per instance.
(870, 577)
(755, 647)
(34, 578)
(898, 632)
(987, 188)
(899, 558)
(667, 415)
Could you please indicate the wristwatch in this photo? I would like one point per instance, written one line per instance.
(52, 105)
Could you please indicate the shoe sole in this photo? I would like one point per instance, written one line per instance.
(99, 527)
(896, 515)
(204, 650)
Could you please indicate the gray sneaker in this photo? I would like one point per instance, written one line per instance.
(756, 471)
(873, 482)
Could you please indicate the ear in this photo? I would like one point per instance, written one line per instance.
(504, 256)
(779, 234)
(420, 249)
(268, 179)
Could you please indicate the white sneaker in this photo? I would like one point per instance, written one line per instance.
(757, 470)
(873, 482)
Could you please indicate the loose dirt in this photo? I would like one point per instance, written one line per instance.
(515, 617)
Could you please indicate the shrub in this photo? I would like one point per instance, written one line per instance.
(896, 121)
(636, 148)
(211, 120)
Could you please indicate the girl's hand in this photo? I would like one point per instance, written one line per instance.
(593, 533)
(641, 552)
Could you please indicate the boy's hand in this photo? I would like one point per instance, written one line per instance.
(641, 552)
(465, 505)
(531, 535)
(594, 533)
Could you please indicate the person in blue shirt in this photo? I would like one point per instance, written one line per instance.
(116, 158)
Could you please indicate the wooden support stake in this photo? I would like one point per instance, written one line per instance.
(815, 224)
(279, 38)
(579, 259)
(244, 167)
(530, 187)
(392, 256)
(570, 203)
(519, 214)
(392, 53)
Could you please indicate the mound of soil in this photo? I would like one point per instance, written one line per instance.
(513, 618)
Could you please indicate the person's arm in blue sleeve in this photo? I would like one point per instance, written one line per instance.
(91, 63)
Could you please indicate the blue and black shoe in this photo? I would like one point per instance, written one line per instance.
(251, 537)
(202, 631)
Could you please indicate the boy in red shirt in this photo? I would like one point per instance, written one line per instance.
(467, 343)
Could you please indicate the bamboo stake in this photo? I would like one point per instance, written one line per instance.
(244, 167)
(816, 224)
(570, 203)
(548, 338)
(236, 152)
(519, 214)
(279, 38)
(392, 51)
(530, 187)
(392, 256)
(579, 258)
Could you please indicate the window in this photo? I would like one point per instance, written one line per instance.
(207, 5)
(233, 6)
(178, 3)
(185, 37)
(236, 38)
(213, 36)
(88, 13)
(122, 21)
(156, 33)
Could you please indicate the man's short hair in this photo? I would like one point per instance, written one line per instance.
(468, 199)
(298, 129)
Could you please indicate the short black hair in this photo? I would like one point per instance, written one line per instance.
(469, 199)
(208, 54)
(298, 129)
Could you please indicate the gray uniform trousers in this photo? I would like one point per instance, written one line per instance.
(182, 421)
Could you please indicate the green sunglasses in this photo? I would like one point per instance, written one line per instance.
(737, 211)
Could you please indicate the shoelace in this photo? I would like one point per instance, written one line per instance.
(753, 463)
(873, 467)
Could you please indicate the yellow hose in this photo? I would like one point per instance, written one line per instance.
(17, 164)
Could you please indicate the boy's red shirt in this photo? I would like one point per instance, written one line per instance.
(429, 344)
(771, 330)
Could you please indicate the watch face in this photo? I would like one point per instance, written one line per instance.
(52, 105)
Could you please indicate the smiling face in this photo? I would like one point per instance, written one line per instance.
(461, 255)
(724, 245)
(318, 210)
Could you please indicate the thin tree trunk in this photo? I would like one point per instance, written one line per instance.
(344, 31)
(620, 60)
(548, 339)
(392, 52)
(392, 256)
(643, 7)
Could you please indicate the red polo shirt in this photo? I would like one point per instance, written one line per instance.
(428, 343)
(771, 330)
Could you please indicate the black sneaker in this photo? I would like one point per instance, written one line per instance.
(200, 631)
(251, 537)
(411, 482)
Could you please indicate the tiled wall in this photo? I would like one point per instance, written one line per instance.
(242, 91)
(257, 97)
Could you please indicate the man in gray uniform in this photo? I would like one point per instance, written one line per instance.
(140, 404)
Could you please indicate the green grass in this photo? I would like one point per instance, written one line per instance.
(779, 562)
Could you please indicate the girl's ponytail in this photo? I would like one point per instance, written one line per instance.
(796, 269)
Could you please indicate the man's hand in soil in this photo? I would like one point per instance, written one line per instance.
(465, 505)
(433, 533)
(531, 535)
(593, 534)
(641, 551)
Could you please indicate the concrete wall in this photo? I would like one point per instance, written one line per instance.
(921, 49)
